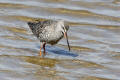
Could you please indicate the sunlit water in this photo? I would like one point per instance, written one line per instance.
(94, 37)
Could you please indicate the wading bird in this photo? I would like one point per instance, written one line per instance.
(49, 32)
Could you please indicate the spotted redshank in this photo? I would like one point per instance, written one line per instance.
(49, 32)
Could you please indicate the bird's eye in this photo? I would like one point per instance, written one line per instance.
(63, 28)
(62, 33)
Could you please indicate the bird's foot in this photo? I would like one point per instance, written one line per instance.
(43, 54)
(40, 54)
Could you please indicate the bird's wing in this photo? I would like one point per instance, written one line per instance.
(47, 23)
(39, 27)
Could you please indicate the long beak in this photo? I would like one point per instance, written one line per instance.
(65, 35)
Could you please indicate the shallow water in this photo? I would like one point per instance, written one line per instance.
(94, 37)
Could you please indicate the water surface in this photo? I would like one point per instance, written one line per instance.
(94, 37)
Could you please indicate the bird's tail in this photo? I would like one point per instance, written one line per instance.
(32, 25)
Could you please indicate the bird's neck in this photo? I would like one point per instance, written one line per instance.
(58, 27)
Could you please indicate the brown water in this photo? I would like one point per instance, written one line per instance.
(94, 37)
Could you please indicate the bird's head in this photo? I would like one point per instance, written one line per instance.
(63, 27)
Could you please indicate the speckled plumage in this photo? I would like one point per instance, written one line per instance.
(48, 31)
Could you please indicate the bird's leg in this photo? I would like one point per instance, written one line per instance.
(44, 48)
(41, 48)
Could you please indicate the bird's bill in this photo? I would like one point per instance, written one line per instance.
(65, 35)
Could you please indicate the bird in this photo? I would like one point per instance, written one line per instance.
(49, 32)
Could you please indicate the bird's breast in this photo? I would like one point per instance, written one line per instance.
(50, 37)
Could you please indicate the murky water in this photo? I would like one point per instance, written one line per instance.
(94, 37)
